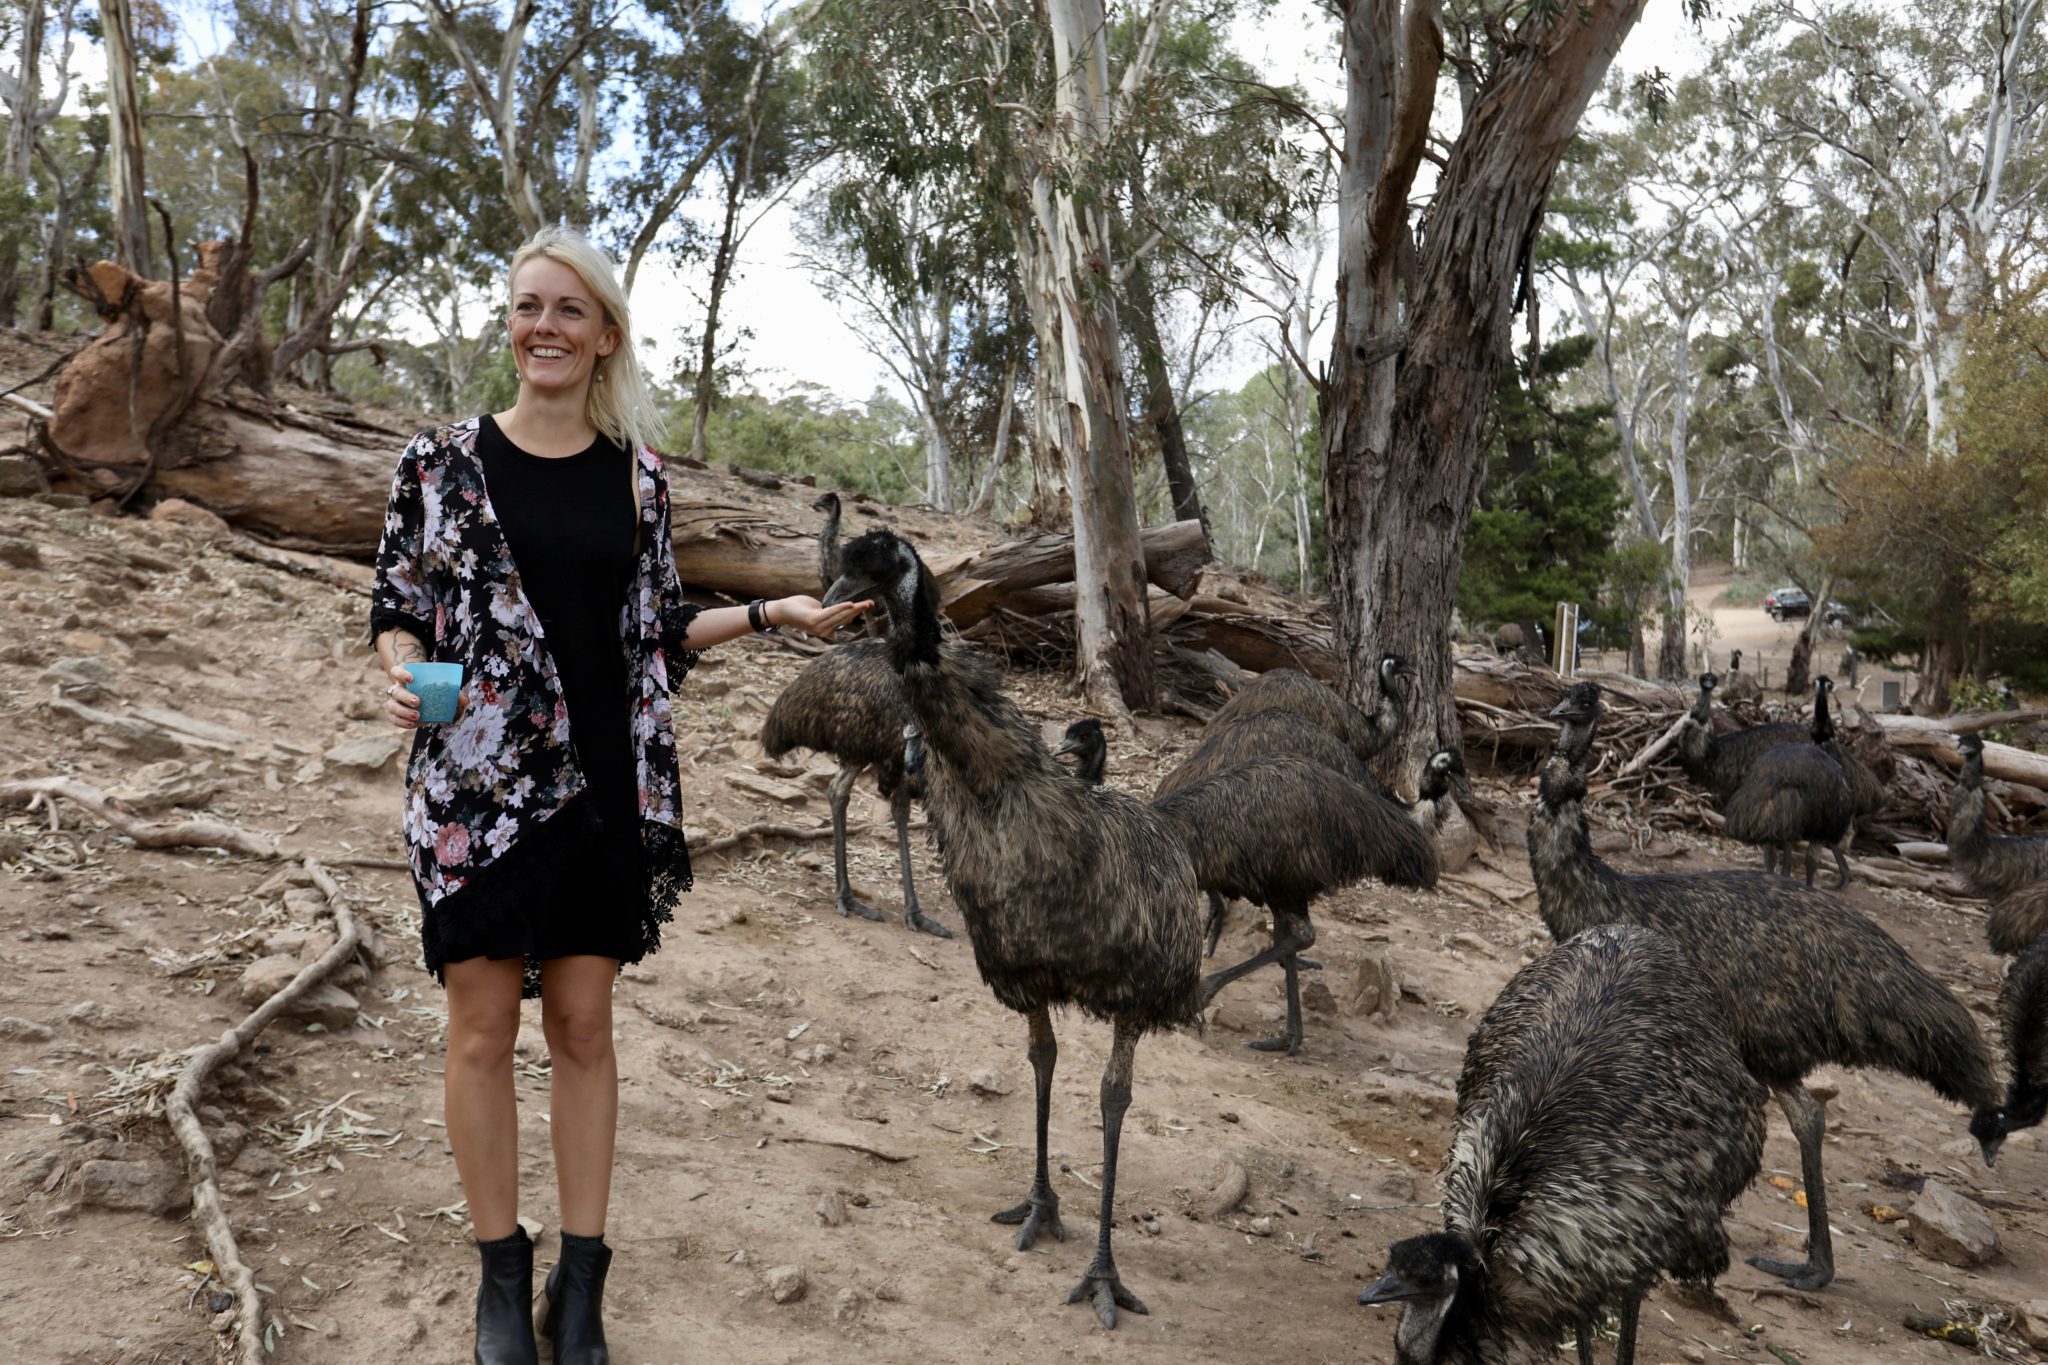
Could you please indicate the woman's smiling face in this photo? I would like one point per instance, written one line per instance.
(558, 331)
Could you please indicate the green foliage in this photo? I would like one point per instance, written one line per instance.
(868, 448)
(1544, 529)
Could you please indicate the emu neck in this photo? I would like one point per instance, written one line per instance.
(828, 547)
(1572, 884)
(1966, 833)
(913, 612)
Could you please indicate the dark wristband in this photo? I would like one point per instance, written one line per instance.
(757, 616)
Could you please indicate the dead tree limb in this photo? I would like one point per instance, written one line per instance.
(146, 833)
(208, 1209)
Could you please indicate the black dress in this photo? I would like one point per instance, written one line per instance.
(569, 523)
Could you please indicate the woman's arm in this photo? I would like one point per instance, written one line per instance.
(716, 625)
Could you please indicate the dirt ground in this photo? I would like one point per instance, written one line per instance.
(1766, 645)
(766, 1034)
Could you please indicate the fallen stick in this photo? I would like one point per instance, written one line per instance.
(145, 833)
(773, 831)
(1654, 751)
(889, 1157)
(207, 1208)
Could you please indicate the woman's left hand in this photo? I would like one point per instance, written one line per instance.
(811, 616)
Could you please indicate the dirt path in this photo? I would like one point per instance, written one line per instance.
(1766, 645)
(766, 1032)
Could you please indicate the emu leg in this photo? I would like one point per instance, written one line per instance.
(913, 917)
(1812, 861)
(1770, 857)
(1300, 932)
(1625, 1349)
(1282, 948)
(1841, 868)
(1809, 1120)
(841, 791)
(1215, 923)
(1040, 1211)
(1585, 1335)
(1101, 1283)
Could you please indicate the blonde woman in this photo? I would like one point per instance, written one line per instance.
(544, 824)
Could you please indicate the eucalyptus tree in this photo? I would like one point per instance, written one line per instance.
(124, 43)
(1424, 306)
(31, 106)
(1921, 122)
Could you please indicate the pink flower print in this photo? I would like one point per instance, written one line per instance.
(451, 845)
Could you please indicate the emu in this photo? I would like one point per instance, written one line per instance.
(1738, 687)
(1991, 866)
(1605, 1123)
(1806, 980)
(1072, 894)
(1797, 792)
(1295, 692)
(2023, 1016)
(848, 702)
(1085, 741)
(828, 540)
(1279, 832)
(1720, 762)
(2017, 920)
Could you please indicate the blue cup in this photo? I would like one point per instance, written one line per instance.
(439, 688)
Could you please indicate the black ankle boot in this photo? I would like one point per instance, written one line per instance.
(504, 1329)
(572, 1305)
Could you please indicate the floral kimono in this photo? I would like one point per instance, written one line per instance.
(480, 789)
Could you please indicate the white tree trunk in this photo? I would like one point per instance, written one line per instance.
(124, 141)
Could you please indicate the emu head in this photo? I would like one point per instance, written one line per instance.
(1734, 661)
(827, 503)
(1989, 1126)
(1970, 748)
(1394, 666)
(881, 565)
(1086, 742)
(1427, 1274)
(1444, 771)
(1578, 713)
(1823, 723)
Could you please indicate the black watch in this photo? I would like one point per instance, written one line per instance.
(757, 617)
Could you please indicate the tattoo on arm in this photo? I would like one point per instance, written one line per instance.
(407, 650)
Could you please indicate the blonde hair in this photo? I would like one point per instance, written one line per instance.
(618, 404)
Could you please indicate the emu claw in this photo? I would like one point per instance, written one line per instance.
(1035, 1217)
(1109, 1294)
(918, 920)
(1798, 1274)
(849, 906)
(1289, 1043)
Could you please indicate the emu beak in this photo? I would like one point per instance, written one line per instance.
(1069, 745)
(1390, 1288)
(1557, 712)
(1991, 1146)
(848, 589)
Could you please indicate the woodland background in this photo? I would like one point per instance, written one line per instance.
(1785, 310)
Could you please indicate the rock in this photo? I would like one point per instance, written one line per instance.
(2030, 1323)
(266, 976)
(369, 754)
(148, 1186)
(228, 1139)
(1952, 1227)
(82, 677)
(988, 1083)
(325, 1004)
(103, 1018)
(1316, 998)
(1230, 1191)
(258, 1162)
(19, 477)
(832, 1210)
(16, 1030)
(1262, 1226)
(787, 1283)
(21, 554)
(1371, 988)
(768, 787)
(163, 785)
(847, 1306)
(534, 1227)
(189, 514)
(1472, 943)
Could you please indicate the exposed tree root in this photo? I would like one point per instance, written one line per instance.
(208, 1211)
(769, 831)
(146, 833)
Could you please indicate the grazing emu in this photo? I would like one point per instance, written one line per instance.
(1605, 1123)
(1991, 866)
(1797, 792)
(1072, 894)
(1807, 980)
(2018, 919)
(1286, 689)
(2023, 1014)
(828, 541)
(1089, 746)
(1720, 762)
(849, 703)
(1279, 832)
(1740, 688)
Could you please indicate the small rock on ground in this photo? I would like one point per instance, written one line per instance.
(988, 1083)
(832, 1210)
(1952, 1227)
(16, 1030)
(149, 1186)
(787, 1283)
(847, 1305)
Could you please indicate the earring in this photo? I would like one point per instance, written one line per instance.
(600, 376)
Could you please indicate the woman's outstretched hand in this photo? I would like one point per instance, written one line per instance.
(811, 616)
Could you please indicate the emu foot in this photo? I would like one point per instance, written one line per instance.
(1307, 964)
(1040, 1212)
(1284, 1041)
(1798, 1274)
(849, 905)
(1106, 1289)
(918, 920)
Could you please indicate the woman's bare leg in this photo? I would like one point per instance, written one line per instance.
(576, 1011)
(477, 1097)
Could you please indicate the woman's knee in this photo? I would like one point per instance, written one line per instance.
(578, 1034)
(483, 1038)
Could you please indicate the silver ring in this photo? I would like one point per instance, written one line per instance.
(391, 691)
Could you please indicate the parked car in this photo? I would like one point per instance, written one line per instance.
(1786, 603)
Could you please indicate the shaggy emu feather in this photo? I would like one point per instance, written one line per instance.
(1605, 1123)
(1796, 792)
(1072, 894)
(2018, 919)
(1295, 692)
(1991, 866)
(1720, 762)
(2023, 1015)
(1279, 832)
(1806, 979)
